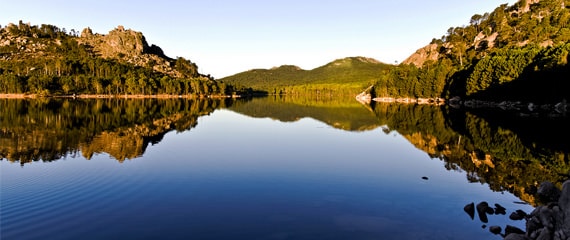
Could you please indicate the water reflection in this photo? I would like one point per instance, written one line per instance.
(50, 129)
(233, 176)
(502, 150)
(502, 154)
(344, 113)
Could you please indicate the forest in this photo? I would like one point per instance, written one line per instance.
(514, 53)
(342, 77)
(517, 52)
(46, 60)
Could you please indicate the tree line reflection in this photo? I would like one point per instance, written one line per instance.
(501, 149)
(508, 151)
(50, 129)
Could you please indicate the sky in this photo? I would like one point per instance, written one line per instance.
(225, 37)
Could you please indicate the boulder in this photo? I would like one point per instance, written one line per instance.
(548, 193)
(563, 228)
(495, 229)
(470, 210)
(515, 236)
(482, 211)
(500, 209)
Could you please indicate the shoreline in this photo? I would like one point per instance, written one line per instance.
(121, 96)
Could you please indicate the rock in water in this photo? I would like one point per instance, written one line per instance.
(518, 215)
(495, 229)
(513, 230)
(548, 193)
(516, 237)
(563, 228)
(500, 209)
(482, 211)
(545, 234)
(470, 210)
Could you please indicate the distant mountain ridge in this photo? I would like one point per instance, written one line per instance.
(351, 73)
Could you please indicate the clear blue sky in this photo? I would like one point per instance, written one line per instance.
(225, 37)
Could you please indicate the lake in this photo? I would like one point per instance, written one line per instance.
(267, 168)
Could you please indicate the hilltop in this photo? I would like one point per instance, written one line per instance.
(515, 53)
(498, 29)
(342, 76)
(47, 60)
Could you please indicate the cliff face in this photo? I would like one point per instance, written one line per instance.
(118, 43)
(128, 46)
(429, 52)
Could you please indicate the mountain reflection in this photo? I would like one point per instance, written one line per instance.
(49, 129)
(344, 113)
(506, 151)
(503, 150)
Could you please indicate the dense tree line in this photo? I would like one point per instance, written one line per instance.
(528, 73)
(508, 54)
(64, 66)
(408, 80)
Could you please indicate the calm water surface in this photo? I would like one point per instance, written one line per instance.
(232, 176)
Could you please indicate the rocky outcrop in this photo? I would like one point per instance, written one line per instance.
(422, 55)
(552, 220)
(119, 43)
(25, 41)
(129, 46)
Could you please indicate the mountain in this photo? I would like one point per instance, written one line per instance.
(515, 53)
(47, 60)
(342, 76)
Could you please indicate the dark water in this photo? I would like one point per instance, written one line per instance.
(260, 169)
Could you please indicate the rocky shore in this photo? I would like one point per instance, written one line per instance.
(549, 221)
(525, 108)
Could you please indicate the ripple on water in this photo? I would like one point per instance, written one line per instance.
(42, 202)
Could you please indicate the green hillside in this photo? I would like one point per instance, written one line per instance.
(347, 76)
(47, 60)
(516, 53)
